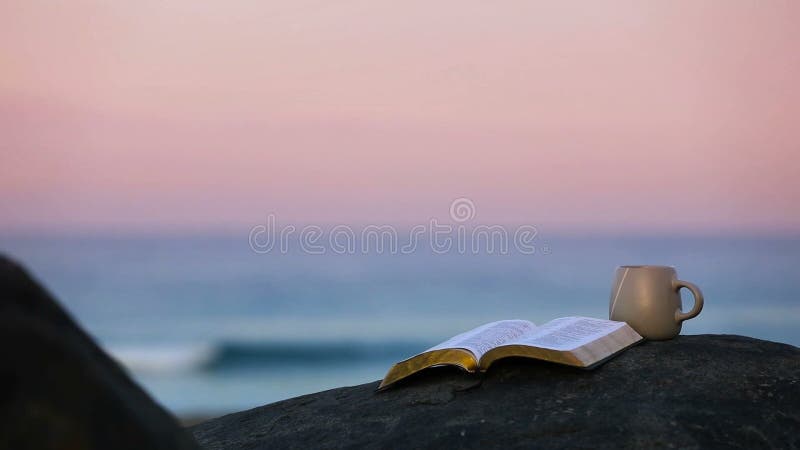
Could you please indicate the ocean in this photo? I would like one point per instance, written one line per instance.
(208, 325)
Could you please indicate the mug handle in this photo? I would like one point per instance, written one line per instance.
(698, 300)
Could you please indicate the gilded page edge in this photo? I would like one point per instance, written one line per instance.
(449, 356)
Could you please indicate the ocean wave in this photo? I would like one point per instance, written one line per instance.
(163, 359)
(230, 355)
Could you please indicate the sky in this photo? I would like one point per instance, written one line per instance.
(604, 115)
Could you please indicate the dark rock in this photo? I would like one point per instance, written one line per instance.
(691, 392)
(59, 390)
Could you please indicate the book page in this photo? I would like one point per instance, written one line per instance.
(568, 333)
(486, 337)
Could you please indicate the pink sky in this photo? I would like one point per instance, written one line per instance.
(603, 115)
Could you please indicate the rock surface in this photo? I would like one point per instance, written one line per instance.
(59, 390)
(700, 391)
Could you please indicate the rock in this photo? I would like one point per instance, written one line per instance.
(59, 390)
(691, 392)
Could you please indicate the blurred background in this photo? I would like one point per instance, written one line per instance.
(141, 144)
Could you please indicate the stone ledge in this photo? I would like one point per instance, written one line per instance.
(690, 392)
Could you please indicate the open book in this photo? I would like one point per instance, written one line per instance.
(575, 341)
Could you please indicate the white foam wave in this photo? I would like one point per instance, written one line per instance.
(162, 359)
